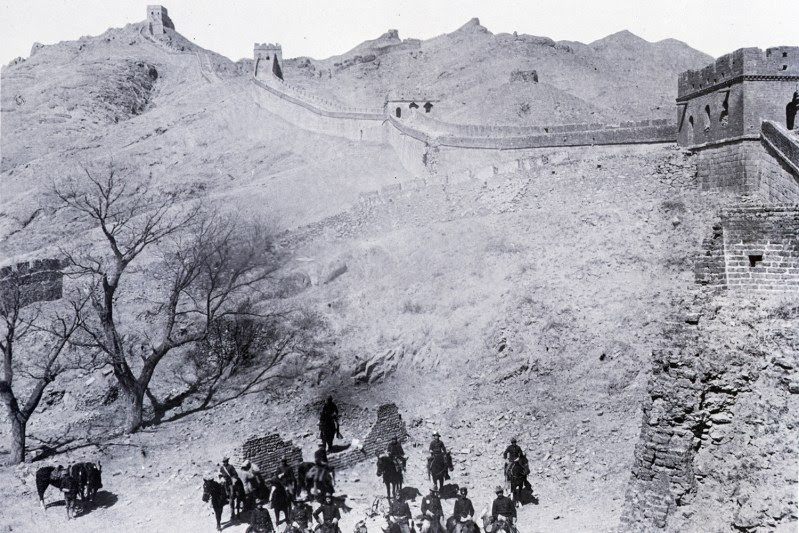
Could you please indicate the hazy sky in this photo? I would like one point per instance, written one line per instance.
(320, 29)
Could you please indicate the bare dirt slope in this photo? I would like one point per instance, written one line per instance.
(621, 77)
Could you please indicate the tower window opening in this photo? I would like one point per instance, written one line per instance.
(785, 54)
(398, 112)
(755, 259)
(707, 118)
(785, 67)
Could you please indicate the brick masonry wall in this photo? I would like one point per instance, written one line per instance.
(39, 281)
(268, 450)
(761, 248)
(730, 167)
(753, 248)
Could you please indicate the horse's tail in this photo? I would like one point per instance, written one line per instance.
(43, 479)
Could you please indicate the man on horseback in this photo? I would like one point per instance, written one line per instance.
(514, 454)
(251, 485)
(301, 515)
(320, 455)
(503, 509)
(431, 508)
(399, 513)
(463, 505)
(229, 478)
(330, 515)
(328, 422)
(397, 454)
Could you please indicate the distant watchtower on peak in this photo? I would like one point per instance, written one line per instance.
(158, 20)
(268, 58)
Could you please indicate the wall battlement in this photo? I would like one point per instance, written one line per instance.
(776, 62)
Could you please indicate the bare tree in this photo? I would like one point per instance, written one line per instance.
(241, 355)
(33, 342)
(186, 267)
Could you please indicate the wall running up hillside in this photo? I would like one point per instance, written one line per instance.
(37, 281)
(413, 137)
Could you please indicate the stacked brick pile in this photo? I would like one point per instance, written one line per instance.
(389, 424)
(267, 451)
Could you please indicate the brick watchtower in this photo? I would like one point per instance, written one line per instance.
(158, 20)
(268, 58)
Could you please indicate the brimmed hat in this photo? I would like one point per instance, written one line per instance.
(436, 434)
(225, 458)
(246, 463)
(513, 440)
(499, 489)
(463, 490)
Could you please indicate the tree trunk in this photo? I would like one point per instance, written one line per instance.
(18, 425)
(134, 409)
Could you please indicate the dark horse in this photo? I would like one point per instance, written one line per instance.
(328, 429)
(392, 477)
(215, 492)
(517, 479)
(280, 500)
(455, 526)
(315, 480)
(88, 477)
(61, 479)
(438, 469)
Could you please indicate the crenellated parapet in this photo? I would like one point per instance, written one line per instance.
(158, 20)
(268, 59)
(727, 100)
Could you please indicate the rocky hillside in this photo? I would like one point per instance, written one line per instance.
(621, 77)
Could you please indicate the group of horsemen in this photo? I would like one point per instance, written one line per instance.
(399, 518)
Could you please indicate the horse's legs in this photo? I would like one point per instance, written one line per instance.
(218, 514)
(388, 489)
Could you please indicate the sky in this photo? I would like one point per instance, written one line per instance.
(320, 29)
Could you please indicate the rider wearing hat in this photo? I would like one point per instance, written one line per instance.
(329, 511)
(399, 513)
(436, 446)
(320, 455)
(512, 454)
(301, 514)
(431, 506)
(463, 505)
(503, 507)
(396, 453)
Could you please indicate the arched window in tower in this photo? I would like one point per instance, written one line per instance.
(690, 130)
(725, 111)
(707, 118)
(427, 107)
(398, 112)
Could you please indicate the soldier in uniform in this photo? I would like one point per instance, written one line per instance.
(251, 485)
(228, 475)
(396, 453)
(330, 513)
(285, 474)
(503, 507)
(320, 455)
(400, 514)
(431, 507)
(511, 454)
(463, 505)
(301, 515)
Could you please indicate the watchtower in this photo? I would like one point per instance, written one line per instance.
(158, 20)
(732, 96)
(268, 58)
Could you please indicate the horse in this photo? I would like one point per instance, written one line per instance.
(280, 500)
(429, 525)
(438, 469)
(88, 477)
(387, 468)
(215, 491)
(494, 526)
(454, 525)
(517, 479)
(234, 491)
(328, 429)
(319, 480)
(50, 475)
